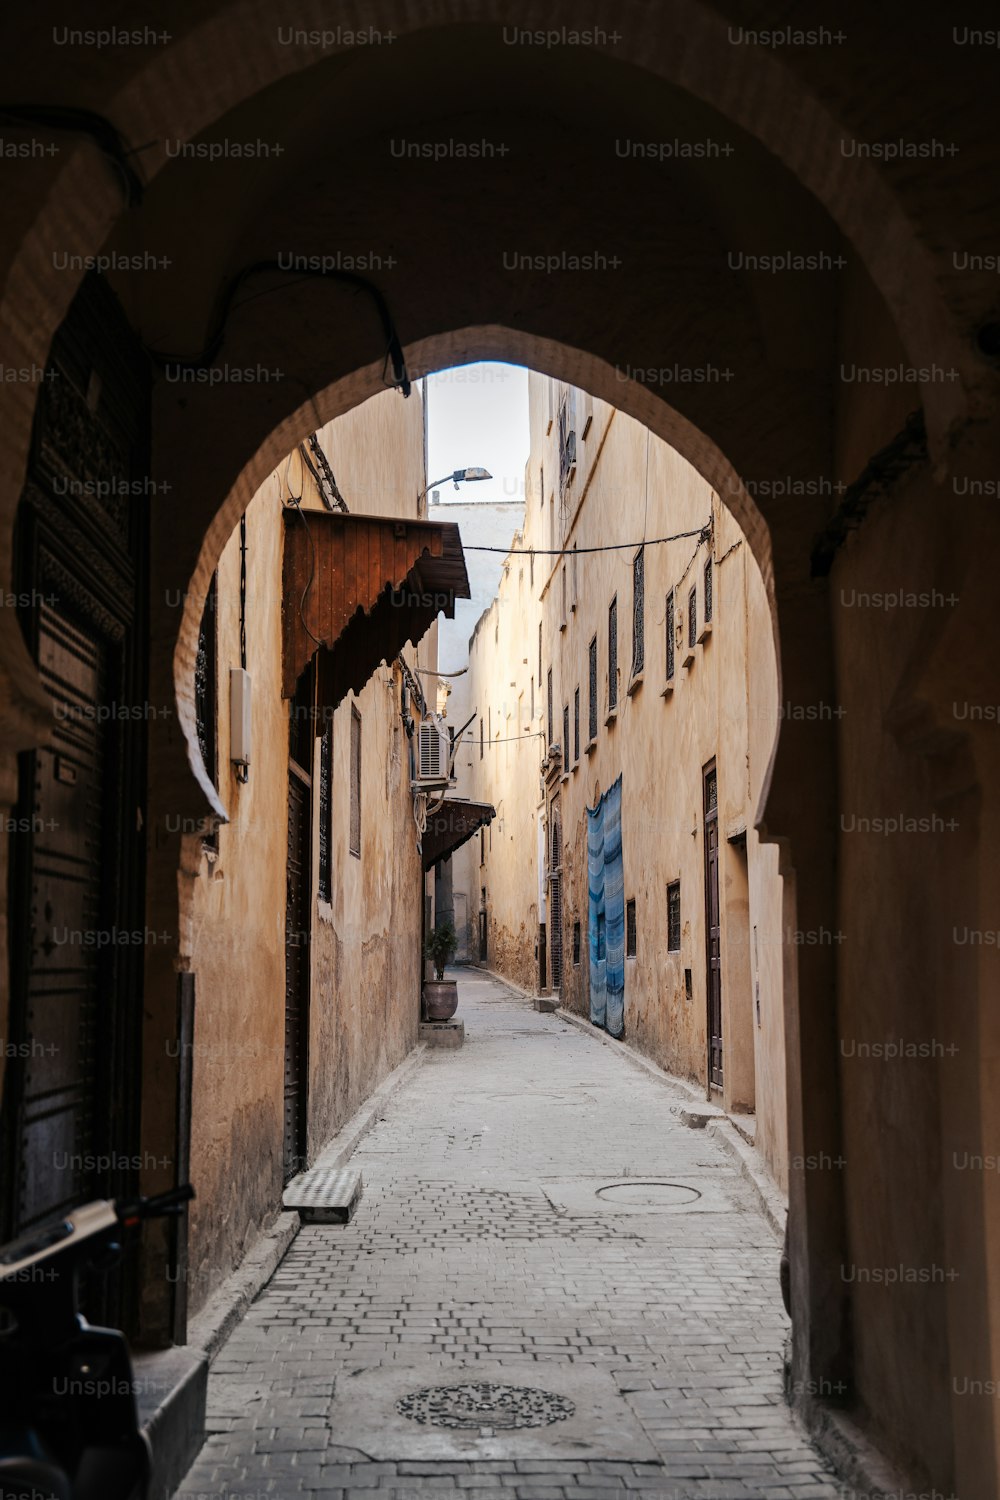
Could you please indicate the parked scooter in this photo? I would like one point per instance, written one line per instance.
(69, 1424)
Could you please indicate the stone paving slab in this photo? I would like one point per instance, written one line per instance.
(459, 1259)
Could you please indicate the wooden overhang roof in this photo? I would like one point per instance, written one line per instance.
(451, 826)
(356, 588)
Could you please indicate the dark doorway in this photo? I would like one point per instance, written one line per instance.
(298, 911)
(555, 924)
(70, 1119)
(484, 948)
(713, 960)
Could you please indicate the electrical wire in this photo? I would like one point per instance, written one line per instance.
(206, 357)
(104, 135)
(701, 532)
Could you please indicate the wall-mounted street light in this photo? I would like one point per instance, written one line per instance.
(457, 477)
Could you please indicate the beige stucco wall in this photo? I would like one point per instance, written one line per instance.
(628, 486)
(365, 943)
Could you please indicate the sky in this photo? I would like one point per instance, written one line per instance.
(478, 416)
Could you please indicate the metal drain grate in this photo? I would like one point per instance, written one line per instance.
(479, 1403)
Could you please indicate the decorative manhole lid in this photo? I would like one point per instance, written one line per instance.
(479, 1403)
(653, 1194)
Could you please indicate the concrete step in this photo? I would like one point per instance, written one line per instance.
(170, 1387)
(324, 1196)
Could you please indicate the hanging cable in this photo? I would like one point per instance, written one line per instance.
(701, 532)
(77, 121)
(204, 359)
(335, 499)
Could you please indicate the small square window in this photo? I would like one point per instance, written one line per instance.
(630, 934)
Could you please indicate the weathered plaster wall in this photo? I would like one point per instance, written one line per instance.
(629, 486)
(365, 942)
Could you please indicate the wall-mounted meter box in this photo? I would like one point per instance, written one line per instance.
(239, 715)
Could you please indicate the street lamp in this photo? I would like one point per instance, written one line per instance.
(459, 476)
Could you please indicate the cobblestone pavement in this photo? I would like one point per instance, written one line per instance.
(481, 1242)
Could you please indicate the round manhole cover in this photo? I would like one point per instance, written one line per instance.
(649, 1194)
(480, 1403)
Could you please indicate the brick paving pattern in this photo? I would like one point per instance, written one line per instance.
(462, 1250)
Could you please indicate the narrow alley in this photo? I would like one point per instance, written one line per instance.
(512, 1233)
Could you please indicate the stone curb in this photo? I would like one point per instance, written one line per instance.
(209, 1329)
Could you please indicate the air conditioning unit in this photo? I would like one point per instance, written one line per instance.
(433, 752)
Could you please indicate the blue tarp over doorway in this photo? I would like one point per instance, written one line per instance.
(606, 911)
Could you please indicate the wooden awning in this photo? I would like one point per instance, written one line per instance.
(451, 826)
(357, 588)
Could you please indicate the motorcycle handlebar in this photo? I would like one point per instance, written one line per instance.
(160, 1206)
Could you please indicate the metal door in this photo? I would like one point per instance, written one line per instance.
(71, 1100)
(713, 960)
(298, 908)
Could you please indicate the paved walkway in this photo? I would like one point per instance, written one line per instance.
(508, 1237)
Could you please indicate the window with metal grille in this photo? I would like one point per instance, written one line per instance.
(693, 617)
(549, 723)
(630, 938)
(576, 726)
(708, 591)
(592, 682)
(613, 653)
(325, 888)
(638, 611)
(355, 834)
(576, 945)
(206, 681)
(674, 917)
(671, 635)
(565, 744)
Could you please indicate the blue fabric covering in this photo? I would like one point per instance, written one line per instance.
(614, 909)
(595, 912)
(606, 911)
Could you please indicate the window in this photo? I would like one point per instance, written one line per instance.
(481, 736)
(355, 836)
(576, 945)
(674, 917)
(638, 612)
(613, 653)
(549, 725)
(482, 846)
(671, 636)
(576, 726)
(206, 680)
(693, 617)
(325, 890)
(708, 591)
(567, 437)
(630, 929)
(592, 683)
(565, 745)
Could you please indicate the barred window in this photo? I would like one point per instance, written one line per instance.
(671, 635)
(576, 726)
(630, 934)
(326, 813)
(674, 917)
(693, 617)
(638, 611)
(355, 836)
(708, 590)
(206, 681)
(592, 671)
(565, 744)
(613, 653)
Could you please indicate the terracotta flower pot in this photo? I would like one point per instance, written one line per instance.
(440, 999)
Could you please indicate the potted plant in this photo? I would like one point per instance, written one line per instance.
(440, 994)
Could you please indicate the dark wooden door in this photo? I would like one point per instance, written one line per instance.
(713, 959)
(298, 910)
(70, 1116)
